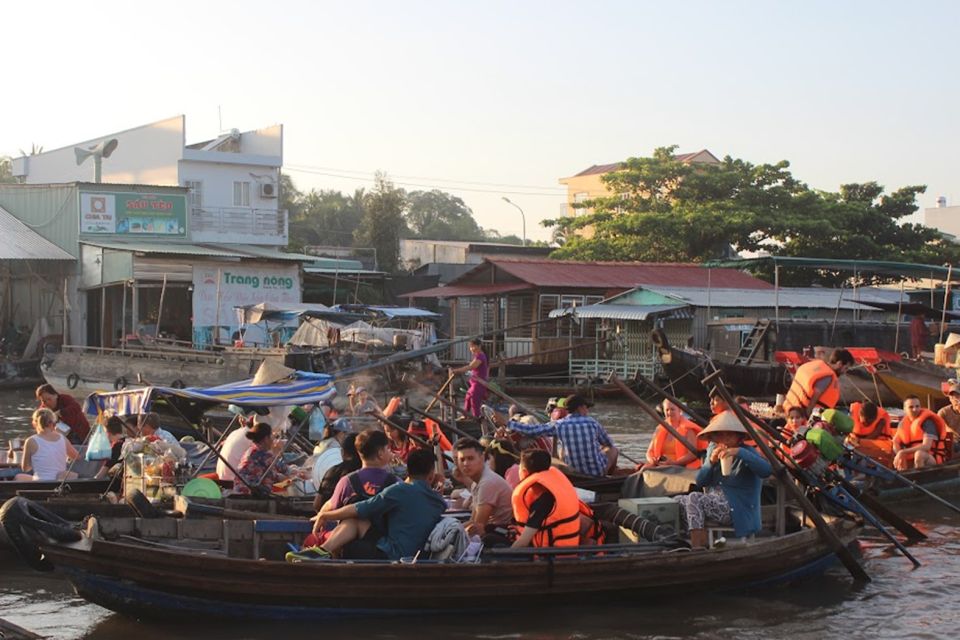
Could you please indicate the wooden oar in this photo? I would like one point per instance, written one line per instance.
(455, 429)
(780, 471)
(497, 392)
(694, 417)
(439, 392)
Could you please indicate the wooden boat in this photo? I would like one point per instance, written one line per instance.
(915, 379)
(941, 479)
(234, 571)
(547, 390)
(684, 369)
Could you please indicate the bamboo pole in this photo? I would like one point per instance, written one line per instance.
(896, 338)
(946, 297)
(216, 324)
(163, 293)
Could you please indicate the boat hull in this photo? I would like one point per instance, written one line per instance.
(908, 379)
(685, 370)
(131, 579)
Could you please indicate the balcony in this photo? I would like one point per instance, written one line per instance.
(238, 225)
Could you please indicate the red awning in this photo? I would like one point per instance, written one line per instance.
(469, 290)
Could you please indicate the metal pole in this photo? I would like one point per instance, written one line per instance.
(896, 339)
(216, 324)
(776, 296)
(523, 218)
(946, 296)
(163, 293)
(123, 320)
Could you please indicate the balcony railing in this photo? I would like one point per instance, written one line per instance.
(237, 221)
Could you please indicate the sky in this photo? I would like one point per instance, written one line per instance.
(492, 99)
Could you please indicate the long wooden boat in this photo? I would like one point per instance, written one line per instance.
(915, 379)
(942, 479)
(685, 369)
(126, 567)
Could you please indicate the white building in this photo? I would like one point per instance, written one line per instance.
(232, 180)
(943, 218)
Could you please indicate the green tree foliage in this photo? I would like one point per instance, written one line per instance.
(327, 218)
(661, 209)
(383, 223)
(437, 215)
(6, 170)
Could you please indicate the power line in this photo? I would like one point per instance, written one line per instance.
(332, 174)
(430, 178)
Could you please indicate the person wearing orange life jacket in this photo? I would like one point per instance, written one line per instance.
(918, 436)
(870, 421)
(546, 508)
(667, 451)
(817, 383)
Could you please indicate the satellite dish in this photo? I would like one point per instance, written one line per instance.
(97, 152)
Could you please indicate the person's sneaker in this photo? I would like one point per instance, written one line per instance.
(308, 553)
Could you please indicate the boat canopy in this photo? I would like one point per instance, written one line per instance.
(254, 313)
(301, 388)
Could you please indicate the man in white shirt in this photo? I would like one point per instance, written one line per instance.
(234, 445)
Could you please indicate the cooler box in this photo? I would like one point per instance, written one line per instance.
(661, 510)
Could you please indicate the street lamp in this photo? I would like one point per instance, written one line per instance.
(522, 217)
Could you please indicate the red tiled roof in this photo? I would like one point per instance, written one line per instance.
(613, 275)
(614, 166)
(467, 290)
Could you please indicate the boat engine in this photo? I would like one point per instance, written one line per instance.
(808, 457)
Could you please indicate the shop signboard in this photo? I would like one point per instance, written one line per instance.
(125, 214)
(239, 285)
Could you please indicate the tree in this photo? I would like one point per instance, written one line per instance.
(437, 215)
(382, 223)
(661, 209)
(326, 217)
(6, 170)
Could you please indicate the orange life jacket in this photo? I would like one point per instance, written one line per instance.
(664, 444)
(804, 386)
(910, 433)
(561, 528)
(434, 428)
(393, 406)
(879, 428)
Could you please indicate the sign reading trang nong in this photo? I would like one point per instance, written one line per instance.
(240, 285)
(133, 213)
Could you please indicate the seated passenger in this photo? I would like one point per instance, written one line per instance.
(67, 410)
(400, 443)
(738, 470)
(489, 501)
(234, 446)
(361, 403)
(46, 453)
(920, 437)
(370, 478)
(115, 431)
(796, 422)
(545, 504)
(951, 412)
(349, 462)
(258, 459)
(391, 525)
(665, 450)
(502, 457)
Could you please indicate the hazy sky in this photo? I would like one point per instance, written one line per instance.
(485, 99)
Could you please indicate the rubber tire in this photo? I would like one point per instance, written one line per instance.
(142, 506)
(178, 384)
(22, 519)
(120, 384)
(73, 380)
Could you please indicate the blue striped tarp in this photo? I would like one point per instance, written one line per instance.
(301, 388)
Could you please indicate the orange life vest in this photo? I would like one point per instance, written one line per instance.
(879, 428)
(434, 428)
(393, 406)
(664, 444)
(910, 433)
(561, 528)
(804, 386)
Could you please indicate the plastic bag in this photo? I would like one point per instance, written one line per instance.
(317, 422)
(98, 448)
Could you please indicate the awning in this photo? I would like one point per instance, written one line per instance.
(624, 311)
(903, 269)
(405, 312)
(910, 308)
(270, 253)
(469, 290)
(303, 388)
(169, 248)
(20, 242)
(254, 313)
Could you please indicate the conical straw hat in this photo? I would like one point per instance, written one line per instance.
(726, 421)
(952, 340)
(271, 371)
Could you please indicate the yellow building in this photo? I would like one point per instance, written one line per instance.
(587, 184)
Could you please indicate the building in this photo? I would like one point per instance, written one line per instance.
(510, 301)
(414, 252)
(174, 238)
(943, 218)
(588, 184)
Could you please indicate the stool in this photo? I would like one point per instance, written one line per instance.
(715, 531)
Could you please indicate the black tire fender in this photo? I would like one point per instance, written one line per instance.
(120, 383)
(73, 380)
(23, 521)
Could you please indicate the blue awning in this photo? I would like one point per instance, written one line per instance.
(303, 388)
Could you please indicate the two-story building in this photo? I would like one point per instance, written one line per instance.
(175, 235)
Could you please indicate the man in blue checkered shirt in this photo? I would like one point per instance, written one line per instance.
(587, 447)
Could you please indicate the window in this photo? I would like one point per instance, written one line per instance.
(547, 304)
(578, 199)
(241, 194)
(563, 328)
(195, 194)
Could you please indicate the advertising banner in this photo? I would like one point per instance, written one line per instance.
(133, 214)
(239, 285)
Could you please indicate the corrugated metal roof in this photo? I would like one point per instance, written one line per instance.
(788, 297)
(271, 253)
(406, 312)
(573, 274)
(170, 248)
(467, 290)
(20, 242)
(625, 311)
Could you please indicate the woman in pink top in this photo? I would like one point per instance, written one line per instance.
(46, 454)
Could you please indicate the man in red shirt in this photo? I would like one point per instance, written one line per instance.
(68, 411)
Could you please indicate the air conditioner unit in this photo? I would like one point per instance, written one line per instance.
(268, 190)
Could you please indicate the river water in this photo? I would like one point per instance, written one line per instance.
(900, 602)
